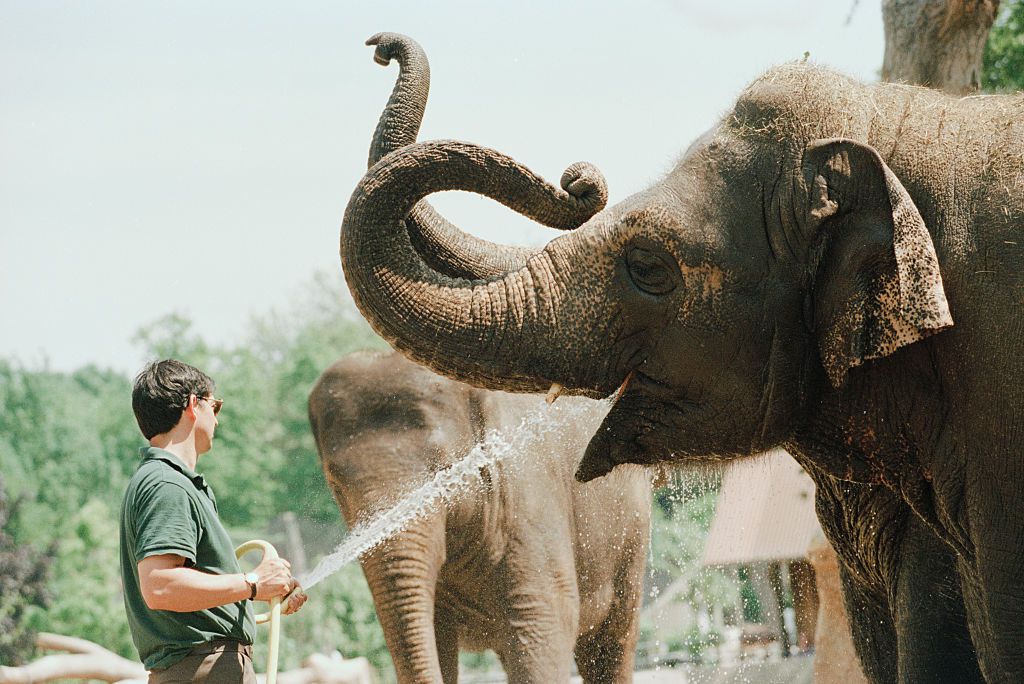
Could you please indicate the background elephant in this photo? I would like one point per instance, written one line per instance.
(794, 281)
(536, 566)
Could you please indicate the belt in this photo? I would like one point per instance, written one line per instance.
(222, 646)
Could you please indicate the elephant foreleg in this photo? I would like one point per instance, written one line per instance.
(446, 634)
(548, 660)
(871, 625)
(402, 576)
(933, 643)
(538, 646)
(994, 579)
(605, 654)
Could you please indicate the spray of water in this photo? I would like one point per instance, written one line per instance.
(444, 487)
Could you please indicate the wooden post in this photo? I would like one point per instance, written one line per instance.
(775, 579)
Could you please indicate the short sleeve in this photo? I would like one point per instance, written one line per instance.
(166, 521)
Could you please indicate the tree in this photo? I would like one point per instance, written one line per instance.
(937, 43)
(1004, 52)
(24, 579)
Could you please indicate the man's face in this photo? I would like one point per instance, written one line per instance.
(206, 409)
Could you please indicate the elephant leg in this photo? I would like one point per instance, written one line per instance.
(446, 635)
(871, 625)
(934, 644)
(539, 644)
(546, 660)
(402, 575)
(993, 588)
(606, 654)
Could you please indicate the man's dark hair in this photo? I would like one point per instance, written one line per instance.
(161, 393)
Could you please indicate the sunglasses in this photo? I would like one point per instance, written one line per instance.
(215, 403)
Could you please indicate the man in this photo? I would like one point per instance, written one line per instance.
(188, 602)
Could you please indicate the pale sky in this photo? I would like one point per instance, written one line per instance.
(197, 157)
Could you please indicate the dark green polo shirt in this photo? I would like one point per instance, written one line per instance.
(168, 508)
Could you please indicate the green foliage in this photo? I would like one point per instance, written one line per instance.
(24, 590)
(694, 642)
(753, 611)
(87, 599)
(680, 518)
(69, 443)
(1004, 51)
(479, 661)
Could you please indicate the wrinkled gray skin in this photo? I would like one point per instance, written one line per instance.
(916, 628)
(443, 246)
(834, 269)
(538, 567)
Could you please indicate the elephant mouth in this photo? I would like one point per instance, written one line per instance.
(634, 431)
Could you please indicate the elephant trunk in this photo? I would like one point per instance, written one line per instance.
(402, 576)
(444, 247)
(518, 331)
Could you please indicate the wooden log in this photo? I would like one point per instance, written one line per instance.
(84, 659)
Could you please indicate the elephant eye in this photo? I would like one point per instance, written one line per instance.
(651, 271)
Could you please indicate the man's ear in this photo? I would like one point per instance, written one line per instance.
(875, 278)
(190, 407)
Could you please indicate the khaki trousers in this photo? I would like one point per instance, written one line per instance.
(215, 662)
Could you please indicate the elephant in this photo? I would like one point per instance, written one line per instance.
(932, 642)
(536, 566)
(833, 268)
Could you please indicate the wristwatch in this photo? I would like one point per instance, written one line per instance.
(251, 578)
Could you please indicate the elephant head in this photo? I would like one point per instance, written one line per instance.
(780, 253)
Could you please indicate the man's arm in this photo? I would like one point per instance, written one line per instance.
(167, 584)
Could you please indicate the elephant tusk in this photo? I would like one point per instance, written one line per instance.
(623, 386)
(553, 393)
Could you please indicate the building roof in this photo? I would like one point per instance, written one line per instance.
(765, 512)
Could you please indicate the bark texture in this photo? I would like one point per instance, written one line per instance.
(937, 43)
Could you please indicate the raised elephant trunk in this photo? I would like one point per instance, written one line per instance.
(497, 333)
(444, 246)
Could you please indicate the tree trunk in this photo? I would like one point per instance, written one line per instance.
(937, 43)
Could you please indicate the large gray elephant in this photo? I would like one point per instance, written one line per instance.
(537, 567)
(833, 268)
(909, 626)
(933, 642)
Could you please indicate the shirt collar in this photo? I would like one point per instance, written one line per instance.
(156, 453)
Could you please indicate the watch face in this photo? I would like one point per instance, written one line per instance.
(252, 578)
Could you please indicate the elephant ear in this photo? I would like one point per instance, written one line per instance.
(876, 284)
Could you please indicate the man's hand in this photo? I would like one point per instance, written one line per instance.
(275, 579)
(294, 600)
